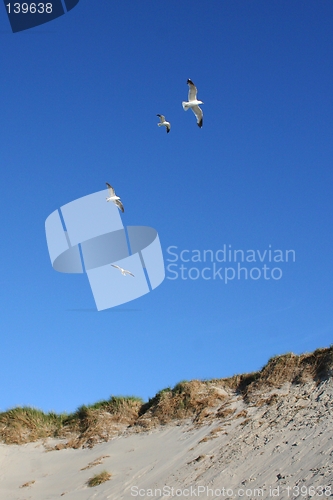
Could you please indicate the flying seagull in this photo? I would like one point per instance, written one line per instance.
(164, 122)
(113, 197)
(193, 103)
(123, 271)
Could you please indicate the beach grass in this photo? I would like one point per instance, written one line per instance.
(98, 479)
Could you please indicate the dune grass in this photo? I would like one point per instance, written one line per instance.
(100, 421)
(114, 404)
(98, 479)
(24, 424)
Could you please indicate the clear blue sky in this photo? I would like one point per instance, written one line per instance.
(79, 98)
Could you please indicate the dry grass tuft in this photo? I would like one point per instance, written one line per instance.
(205, 439)
(100, 478)
(271, 400)
(241, 414)
(97, 423)
(185, 400)
(29, 483)
(224, 413)
(213, 434)
(217, 430)
(97, 461)
(198, 459)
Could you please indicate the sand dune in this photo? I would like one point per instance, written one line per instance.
(275, 440)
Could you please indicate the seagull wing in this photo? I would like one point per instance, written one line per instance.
(127, 272)
(110, 188)
(192, 93)
(162, 118)
(117, 267)
(168, 127)
(119, 205)
(199, 114)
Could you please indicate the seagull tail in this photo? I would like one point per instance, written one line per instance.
(185, 106)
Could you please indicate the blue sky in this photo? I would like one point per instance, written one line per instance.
(79, 98)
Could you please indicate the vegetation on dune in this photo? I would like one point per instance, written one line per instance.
(24, 424)
(114, 404)
(195, 399)
(100, 421)
(99, 478)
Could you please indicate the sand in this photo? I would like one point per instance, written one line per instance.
(278, 444)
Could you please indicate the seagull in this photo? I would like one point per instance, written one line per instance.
(193, 103)
(123, 271)
(164, 122)
(113, 197)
